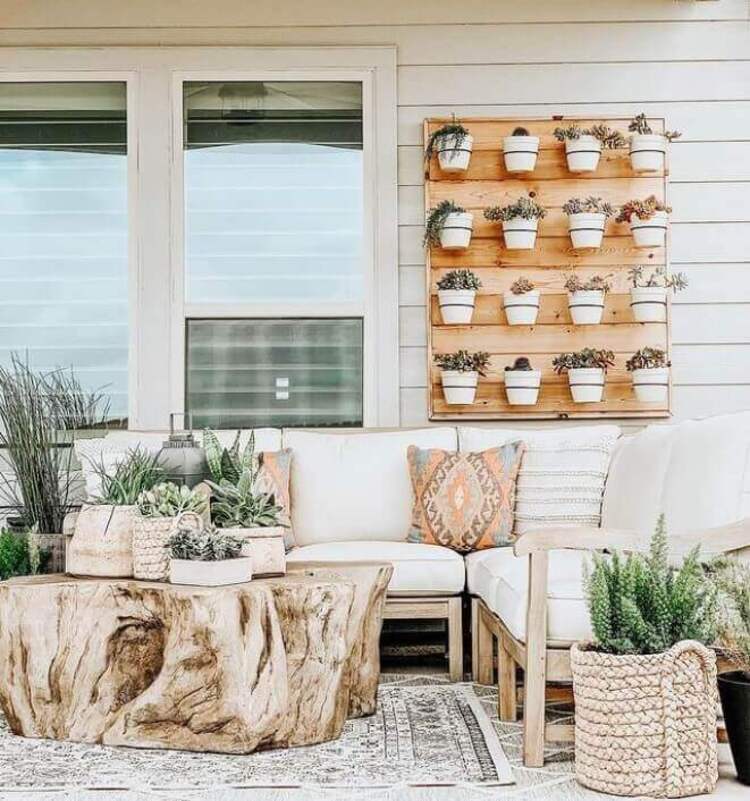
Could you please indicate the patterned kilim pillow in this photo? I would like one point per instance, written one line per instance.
(273, 478)
(464, 501)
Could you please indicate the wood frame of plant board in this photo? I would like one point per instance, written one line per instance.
(486, 183)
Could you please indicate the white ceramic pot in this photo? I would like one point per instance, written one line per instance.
(521, 309)
(265, 546)
(452, 158)
(586, 307)
(102, 542)
(651, 385)
(459, 388)
(583, 153)
(456, 232)
(650, 233)
(211, 574)
(456, 305)
(522, 386)
(520, 153)
(647, 152)
(586, 384)
(520, 234)
(586, 229)
(649, 304)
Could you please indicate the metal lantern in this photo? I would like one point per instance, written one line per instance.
(183, 460)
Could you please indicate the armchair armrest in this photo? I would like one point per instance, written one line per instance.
(580, 538)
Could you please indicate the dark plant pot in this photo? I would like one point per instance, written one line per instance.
(734, 689)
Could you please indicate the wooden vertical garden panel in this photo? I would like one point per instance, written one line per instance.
(486, 183)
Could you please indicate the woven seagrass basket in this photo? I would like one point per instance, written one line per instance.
(646, 725)
(150, 537)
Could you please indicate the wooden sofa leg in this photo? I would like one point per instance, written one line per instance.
(535, 669)
(506, 684)
(482, 643)
(455, 639)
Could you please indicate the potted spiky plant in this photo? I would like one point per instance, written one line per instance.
(587, 371)
(583, 146)
(649, 369)
(648, 220)
(648, 149)
(520, 222)
(460, 373)
(586, 298)
(448, 226)
(645, 685)
(521, 302)
(648, 292)
(520, 151)
(205, 557)
(452, 143)
(457, 291)
(587, 219)
(522, 382)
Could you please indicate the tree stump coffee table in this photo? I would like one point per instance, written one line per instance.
(267, 664)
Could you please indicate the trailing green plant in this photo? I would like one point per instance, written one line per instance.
(521, 363)
(169, 500)
(640, 125)
(588, 205)
(586, 358)
(521, 286)
(436, 220)
(525, 208)
(657, 278)
(464, 362)
(609, 138)
(643, 209)
(453, 130)
(203, 545)
(228, 464)
(520, 131)
(20, 554)
(640, 605)
(733, 581)
(240, 506)
(459, 279)
(597, 283)
(138, 472)
(647, 359)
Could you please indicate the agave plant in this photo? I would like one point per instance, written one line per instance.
(240, 506)
(138, 472)
(169, 500)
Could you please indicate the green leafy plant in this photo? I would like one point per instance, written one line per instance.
(640, 125)
(525, 208)
(586, 358)
(169, 500)
(203, 545)
(436, 220)
(657, 278)
(464, 362)
(459, 279)
(733, 582)
(521, 363)
(647, 359)
(641, 605)
(609, 138)
(643, 209)
(588, 205)
(20, 554)
(597, 283)
(228, 464)
(451, 129)
(138, 472)
(240, 506)
(521, 286)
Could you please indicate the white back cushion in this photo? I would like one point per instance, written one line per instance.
(349, 487)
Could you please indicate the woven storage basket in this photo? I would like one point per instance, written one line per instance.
(646, 725)
(150, 537)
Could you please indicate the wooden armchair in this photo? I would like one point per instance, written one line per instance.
(541, 660)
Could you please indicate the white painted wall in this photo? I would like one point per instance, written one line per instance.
(686, 60)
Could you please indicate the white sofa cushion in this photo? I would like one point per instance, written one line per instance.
(562, 474)
(500, 579)
(355, 486)
(417, 569)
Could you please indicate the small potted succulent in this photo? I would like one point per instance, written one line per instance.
(460, 373)
(587, 218)
(647, 149)
(521, 302)
(648, 292)
(520, 150)
(452, 143)
(649, 369)
(520, 222)
(522, 382)
(205, 557)
(586, 298)
(648, 220)
(457, 291)
(583, 146)
(587, 370)
(449, 226)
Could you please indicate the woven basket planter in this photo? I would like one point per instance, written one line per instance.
(646, 725)
(150, 537)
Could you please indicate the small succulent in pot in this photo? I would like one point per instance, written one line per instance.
(583, 146)
(448, 226)
(520, 222)
(587, 219)
(649, 368)
(520, 150)
(207, 557)
(586, 298)
(457, 291)
(586, 371)
(453, 144)
(648, 149)
(169, 500)
(521, 302)
(522, 382)
(460, 373)
(648, 220)
(648, 292)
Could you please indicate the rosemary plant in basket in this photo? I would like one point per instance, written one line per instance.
(582, 359)
(640, 279)
(459, 280)
(640, 125)
(525, 208)
(450, 131)
(436, 218)
(464, 362)
(647, 359)
(609, 138)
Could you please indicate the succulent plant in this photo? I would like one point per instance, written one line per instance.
(436, 220)
(138, 472)
(609, 138)
(588, 205)
(639, 124)
(459, 279)
(227, 464)
(463, 361)
(521, 286)
(588, 357)
(169, 500)
(597, 283)
(657, 277)
(240, 506)
(647, 359)
(643, 209)
(451, 129)
(521, 363)
(525, 208)
(520, 131)
(203, 545)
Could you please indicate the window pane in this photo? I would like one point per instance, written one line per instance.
(246, 373)
(63, 230)
(273, 192)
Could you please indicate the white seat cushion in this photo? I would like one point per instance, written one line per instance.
(417, 569)
(500, 579)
